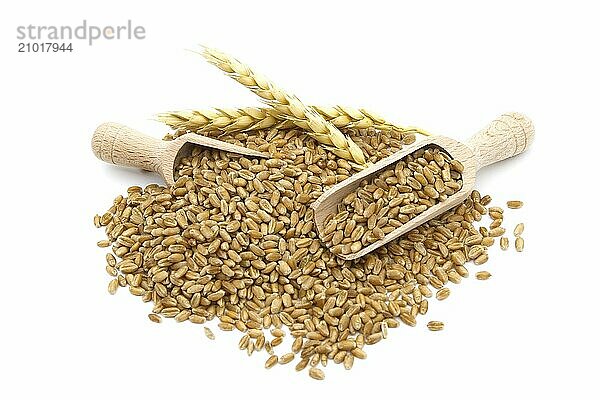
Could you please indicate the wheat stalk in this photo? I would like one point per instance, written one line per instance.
(289, 106)
(250, 118)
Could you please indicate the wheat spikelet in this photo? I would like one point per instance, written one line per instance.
(289, 106)
(250, 118)
(224, 120)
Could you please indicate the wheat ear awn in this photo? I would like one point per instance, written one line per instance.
(290, 107)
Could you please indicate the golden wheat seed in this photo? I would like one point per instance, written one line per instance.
(271, 362)
(519, 244)
(286, 358)
(209, 334)
(348, 361)
(302, 364)
(483, 275)
(514, 204)
(504, 243)
(113, 285)
(442, 294)
(435, 325)
(155, 318)
(316, 373)
(277, 332)
(519, 228)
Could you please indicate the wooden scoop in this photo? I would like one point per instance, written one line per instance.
(508, 135)
(120, 145)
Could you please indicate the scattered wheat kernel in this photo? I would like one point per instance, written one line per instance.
(435, 325)
(348, 361)
(483, 275)
(277, 332)
(519, 244)
(514, 204)
(209, 334)
(504, 243)
(155, 318)
(113, 285)
(302, 364)
(519, 229)
(316, 373)
(442, 294)
(271, 361)
(103, 243)
(286, 358)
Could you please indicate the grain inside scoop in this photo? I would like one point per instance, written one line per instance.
(120, 145)
(508, 135)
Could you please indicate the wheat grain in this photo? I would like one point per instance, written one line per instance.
(483, 275)
(435, 325)
(209, 333)
(519, 228)
(271, 362)
(155, 318)
(519, 244)
(201, 250)
(514, 204)
(316, 373)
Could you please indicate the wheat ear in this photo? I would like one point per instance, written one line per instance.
(250, 118)
(289, 106)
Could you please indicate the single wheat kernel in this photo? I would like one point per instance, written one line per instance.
(504, 243)
(112, 271)
(243, 343)
(483, 275)
(209, 334)
(103, 243)
(286, 358)
(348, 361)
(482, 259)
(514, 204)
(519, 229)
(359, 353)
(316, 373)
(442, 294)
(435, 325)
(497, 232)
(155, 318)
(487, 241)
(271, 362)
(519, 244)
(113, 285)
(302, 364)
(297, 344)
(225, 326)
(277, 332)
(110, 259)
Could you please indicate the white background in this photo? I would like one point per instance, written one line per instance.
(449, 67)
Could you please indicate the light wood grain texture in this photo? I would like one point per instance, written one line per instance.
(508, 135)
(120, 145)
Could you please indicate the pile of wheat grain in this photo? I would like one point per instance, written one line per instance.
(234, 237)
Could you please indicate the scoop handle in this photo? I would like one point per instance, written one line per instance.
(506, 136)
(120, 145)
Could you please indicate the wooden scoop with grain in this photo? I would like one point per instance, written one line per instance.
(120, 145)
(508, 135)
